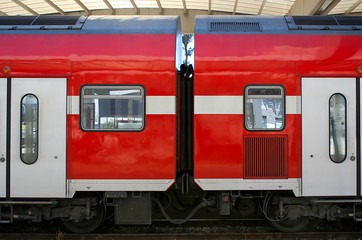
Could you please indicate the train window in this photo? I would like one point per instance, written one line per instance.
(112, 108)
(264, 107)
(29, 129)
(337, 128)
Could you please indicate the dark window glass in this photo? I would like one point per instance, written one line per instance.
(337, 128)
(29, 129)
(264, 108)
(112, 108)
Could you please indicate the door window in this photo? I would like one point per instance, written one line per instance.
(337, 128)
(29, 129)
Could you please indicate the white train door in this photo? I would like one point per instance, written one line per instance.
(3, 100)
(329, 165)
(38, 137)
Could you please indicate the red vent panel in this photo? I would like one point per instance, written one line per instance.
(265, 157)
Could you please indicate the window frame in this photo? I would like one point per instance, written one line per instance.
(283, 97)
(37, 129)
(119, 86)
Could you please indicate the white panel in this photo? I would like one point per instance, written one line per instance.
(160, 105)
(321, 176)
(216, 184)
(47, 176)
(293, 105)
(73, 105)
(119, 185)
(218, 105)
(3, 100)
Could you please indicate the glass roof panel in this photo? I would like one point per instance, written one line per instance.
(172, 4)
(67, 5)
(358, 9)
(342, 6)
(94, 4)
(201, 5)
(223, 5)
(120, 4)
(146, 3)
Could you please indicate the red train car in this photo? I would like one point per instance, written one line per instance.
(98, 119)
(258, 96)
(89, 104)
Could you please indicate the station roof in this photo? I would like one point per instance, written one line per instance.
(250, 7)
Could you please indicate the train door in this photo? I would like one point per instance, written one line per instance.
(38, 137)
(329, 137)
(3, 99)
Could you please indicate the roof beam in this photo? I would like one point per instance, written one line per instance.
(53, 5)
(159, 6)
(353, 7)
(25, 7)
(209, 11)
(235, 6)
(2, 13)
(111, 8)
(184, 4)
(329, 8)
(135, 6)
(83, 6)
(262, 7)
(317, 7)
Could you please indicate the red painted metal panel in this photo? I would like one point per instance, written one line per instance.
(100, 59)
(329, 69)
(149, 154)
(225, 63)
(219, 145)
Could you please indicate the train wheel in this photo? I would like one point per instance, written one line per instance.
(283, 225)
(290, 225)
(90, 225)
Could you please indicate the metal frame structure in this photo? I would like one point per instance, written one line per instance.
(256, 7)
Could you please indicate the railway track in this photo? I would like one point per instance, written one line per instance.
(238, 236)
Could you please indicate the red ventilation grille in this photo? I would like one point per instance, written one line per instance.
(265, 157)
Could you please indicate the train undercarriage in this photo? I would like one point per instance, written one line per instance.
(86, 212)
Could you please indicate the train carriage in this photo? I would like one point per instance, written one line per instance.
(99, 117)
